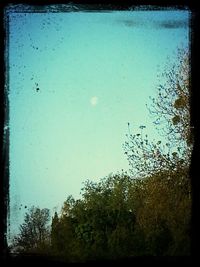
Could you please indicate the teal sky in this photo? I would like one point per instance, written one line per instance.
(75, 80)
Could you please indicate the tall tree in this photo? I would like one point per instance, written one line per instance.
(34, 232)
(162, 198)
(171, 107)
(171, 111)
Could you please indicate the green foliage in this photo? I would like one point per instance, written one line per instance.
(122, 217)
(34, 232)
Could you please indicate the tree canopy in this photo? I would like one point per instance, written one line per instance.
(34, 232)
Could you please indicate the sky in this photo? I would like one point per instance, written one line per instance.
(75, 80)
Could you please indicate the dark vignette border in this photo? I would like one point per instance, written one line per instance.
(44, 6)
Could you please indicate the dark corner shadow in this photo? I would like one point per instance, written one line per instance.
(32, 260)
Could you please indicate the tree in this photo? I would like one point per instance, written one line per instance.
(171, 111)
(97, 226)
(164, 214)
(171, 107)
(34, 232)
(161, 197)
(63, 232)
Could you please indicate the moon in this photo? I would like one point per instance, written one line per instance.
(94, 101)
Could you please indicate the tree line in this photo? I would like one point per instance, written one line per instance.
(146, 211)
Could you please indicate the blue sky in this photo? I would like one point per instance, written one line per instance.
(75, 80)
